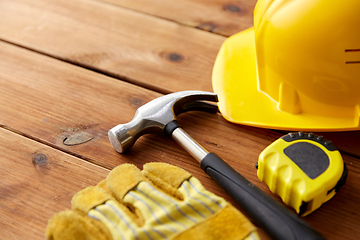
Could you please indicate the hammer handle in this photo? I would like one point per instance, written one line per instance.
(278, 221)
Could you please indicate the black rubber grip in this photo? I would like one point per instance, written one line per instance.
(278, 221)
(170, 127)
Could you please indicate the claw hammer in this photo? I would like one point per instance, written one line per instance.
(159, 116)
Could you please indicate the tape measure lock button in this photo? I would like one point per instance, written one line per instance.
(304, 169)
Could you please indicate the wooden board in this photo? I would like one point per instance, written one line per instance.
(138, 48)
(218, 16)
(50, 100)
(41, 100)
(156, 54)
(36, 182)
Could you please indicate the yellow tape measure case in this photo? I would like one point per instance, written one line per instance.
(304, 169)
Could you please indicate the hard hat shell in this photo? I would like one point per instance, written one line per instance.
(298, 68)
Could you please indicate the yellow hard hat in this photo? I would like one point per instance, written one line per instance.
(298, 68)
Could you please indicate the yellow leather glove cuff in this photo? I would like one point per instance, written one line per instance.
(160, 202)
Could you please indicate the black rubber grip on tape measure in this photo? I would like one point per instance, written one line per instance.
(311, 159)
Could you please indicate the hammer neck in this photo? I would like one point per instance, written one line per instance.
(189, 144)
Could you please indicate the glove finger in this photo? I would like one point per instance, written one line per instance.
(70, 225)
(129, 185)
(196, 203)
(183, 184)
(89, 198)
(123, 182)
(130, 210)
(122, 179)
(98, 204)
(168, 173)
(159, 207)
(163, 213)
(166, 176)
(203, 201)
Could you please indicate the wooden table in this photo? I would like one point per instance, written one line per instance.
(72, 69)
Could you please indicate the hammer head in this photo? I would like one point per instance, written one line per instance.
(155, 115)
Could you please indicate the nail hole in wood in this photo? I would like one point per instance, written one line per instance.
(210, 27)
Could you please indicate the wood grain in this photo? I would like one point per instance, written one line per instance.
(218, 16)
(48, 100)
(67, 109)
(36, 182)
(144, 50)
(135, 47)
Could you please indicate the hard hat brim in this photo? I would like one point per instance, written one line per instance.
(234, 79)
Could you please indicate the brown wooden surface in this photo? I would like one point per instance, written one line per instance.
(76, 68)
(36, 182)
(218, 16)
(114, 40)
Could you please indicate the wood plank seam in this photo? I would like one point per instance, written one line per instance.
(202, 28)
(115, 45)
(219, 17)
(94, 69)
(99, 163)
(57, 147)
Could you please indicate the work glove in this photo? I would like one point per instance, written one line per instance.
(160, 202)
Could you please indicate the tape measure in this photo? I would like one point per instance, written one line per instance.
(304, 169)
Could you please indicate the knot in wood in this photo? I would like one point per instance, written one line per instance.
(39, 159)
(174, 57)
(232, 8)
(137, 102)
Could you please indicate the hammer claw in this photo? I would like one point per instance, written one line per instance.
(156, 114)
(196, 106)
